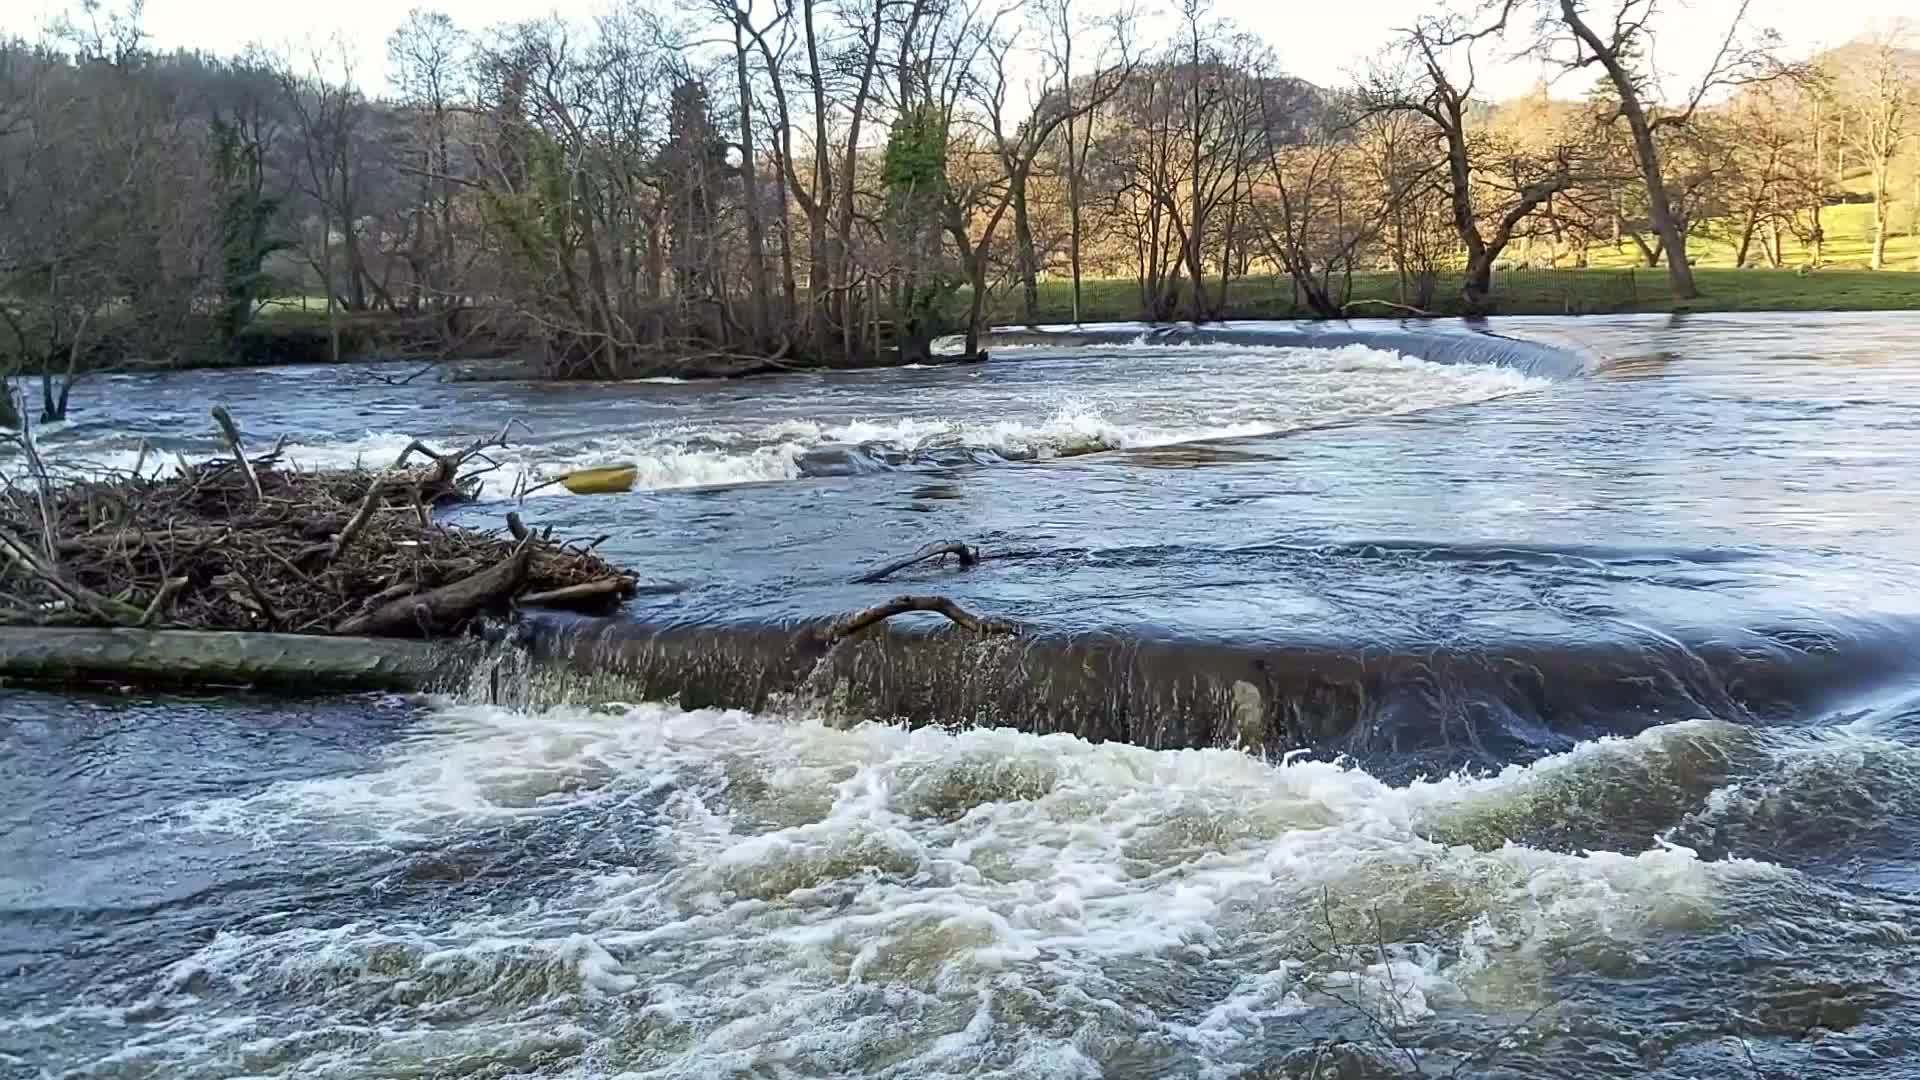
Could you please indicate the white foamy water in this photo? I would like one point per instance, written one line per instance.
(877, 901)
(1119, 398)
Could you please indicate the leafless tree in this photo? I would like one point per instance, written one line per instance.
(1617, 36)
(1424, 84)
(1877, 93)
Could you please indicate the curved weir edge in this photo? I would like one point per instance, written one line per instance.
(1460, 342)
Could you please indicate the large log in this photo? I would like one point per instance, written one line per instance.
(198, 658)
(442, 609)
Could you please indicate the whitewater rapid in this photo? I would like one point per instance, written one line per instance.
(715, 893)
(1132, 397)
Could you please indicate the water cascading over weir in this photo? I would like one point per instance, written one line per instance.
(1423, 704)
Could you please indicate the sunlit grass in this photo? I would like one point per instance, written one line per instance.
(1849, 243)
(1532, 292)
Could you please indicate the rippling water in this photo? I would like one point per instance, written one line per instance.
(398, 887)
(1059, 403)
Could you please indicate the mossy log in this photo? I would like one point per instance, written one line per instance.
(70, 655)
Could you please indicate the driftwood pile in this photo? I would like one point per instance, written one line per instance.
(248, 543)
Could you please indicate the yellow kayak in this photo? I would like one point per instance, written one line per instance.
(605, 480)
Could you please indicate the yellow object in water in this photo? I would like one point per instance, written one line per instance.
(606, 480)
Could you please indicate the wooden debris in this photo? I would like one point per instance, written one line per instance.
(850, 624)
(574, 594)
(231, 431)
(968, 556)
(241, 543)
(445, 609)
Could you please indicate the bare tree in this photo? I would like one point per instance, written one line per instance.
(1425, 85)
(1014, 149)
(1618, 37)
(1877, 91)
(1318, 215)
(428, 57)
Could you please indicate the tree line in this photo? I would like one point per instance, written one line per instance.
(713, 188)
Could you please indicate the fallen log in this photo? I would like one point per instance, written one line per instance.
(968, 556)
(441, 610)
(605, 588)
(852, 623)
(200, 657)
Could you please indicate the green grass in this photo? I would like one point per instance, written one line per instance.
(1615, 281)
(1528, 292)
(1849, 244)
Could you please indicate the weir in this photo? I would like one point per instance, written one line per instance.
(1440, 707)
(1437, 342)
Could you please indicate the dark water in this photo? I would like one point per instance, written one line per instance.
(1725, 885)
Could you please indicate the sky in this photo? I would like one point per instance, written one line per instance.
(1319, 41)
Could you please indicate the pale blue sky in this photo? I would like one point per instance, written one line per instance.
(1320, 40)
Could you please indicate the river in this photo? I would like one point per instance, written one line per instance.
(1663, 824)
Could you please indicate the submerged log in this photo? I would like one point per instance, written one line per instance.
(967, 556)
(199, 658)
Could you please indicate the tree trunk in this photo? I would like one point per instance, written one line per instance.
(1659, 205)
(1476, 288)
(1023, 248)
(760, 293)
(1074, 157)
(1882, 212)
(977, 302)
(1196, 213)
(821, 258)
(326, 273)
(1747, 230)
(1073, 207)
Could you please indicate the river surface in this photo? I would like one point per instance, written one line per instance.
(1722, 884)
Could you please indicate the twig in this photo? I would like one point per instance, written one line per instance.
(1421, 312)
(115, 611)
(271, 457)
(359, 520)
(259, 597)
(968, 556)
(168, 589)
(232, 432)
(49, 538)
(1745, 1048)
(854, 622)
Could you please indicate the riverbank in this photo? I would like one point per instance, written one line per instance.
(1376, 295)
(292, 335)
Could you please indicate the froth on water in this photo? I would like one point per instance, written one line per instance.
(644, 891)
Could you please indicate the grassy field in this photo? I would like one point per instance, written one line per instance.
(1538, 292)
(1849, 245)
(1615, 282)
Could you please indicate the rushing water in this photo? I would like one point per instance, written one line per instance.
(1727, 885)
